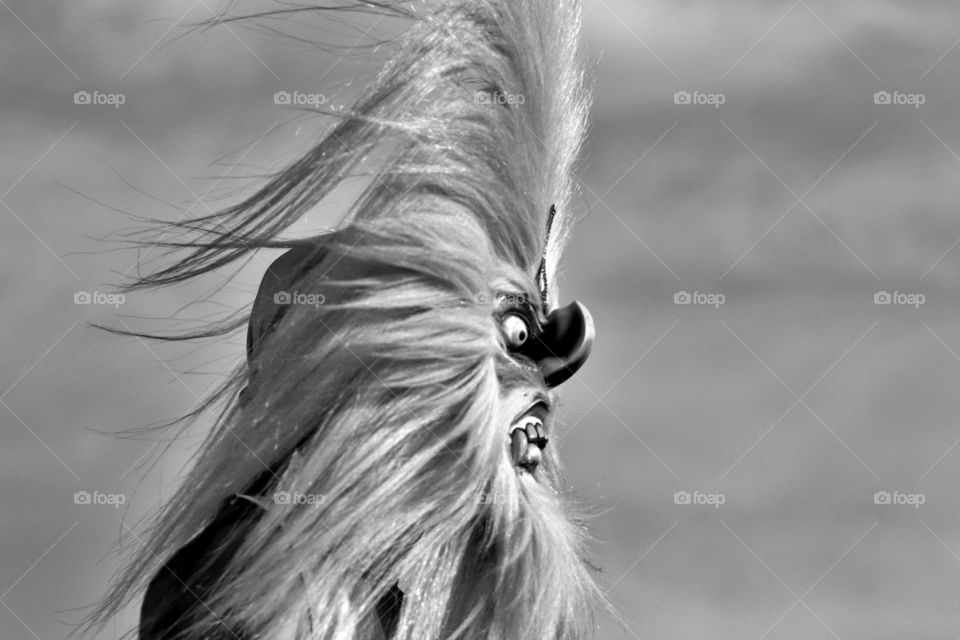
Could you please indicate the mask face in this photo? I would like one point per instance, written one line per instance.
(558, 342)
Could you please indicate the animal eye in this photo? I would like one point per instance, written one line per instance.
(515, 330)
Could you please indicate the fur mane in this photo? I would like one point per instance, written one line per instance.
(391, 401)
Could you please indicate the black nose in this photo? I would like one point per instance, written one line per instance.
(565, 342)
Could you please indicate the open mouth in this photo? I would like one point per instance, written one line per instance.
(528, 439)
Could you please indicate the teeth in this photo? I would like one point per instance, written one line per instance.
(518, 443)
(535, 434)
(530, 459)
(527, 440)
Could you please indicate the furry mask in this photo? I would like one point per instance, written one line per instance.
(400, 369)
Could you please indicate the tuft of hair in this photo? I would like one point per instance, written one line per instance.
(390, 403)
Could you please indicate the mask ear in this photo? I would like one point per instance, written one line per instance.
(271, 301)
(565, 342)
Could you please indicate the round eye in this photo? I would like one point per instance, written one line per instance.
(515, 330)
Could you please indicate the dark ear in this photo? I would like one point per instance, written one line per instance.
(281, 276)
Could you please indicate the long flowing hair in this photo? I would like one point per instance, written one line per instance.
(391, 400)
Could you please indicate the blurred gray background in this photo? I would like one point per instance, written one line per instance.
(799, 403)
